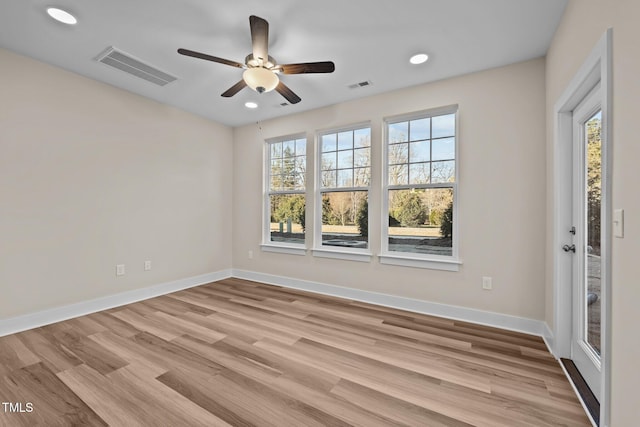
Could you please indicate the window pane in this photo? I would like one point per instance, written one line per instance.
(328, 161)
(419, 152)
(276, 150)
(288, 182)
(345, 159)
(287, 218)
(361, 157)
(299, 181)
(301, 147)
(362, 137)
(443, 126)
(288, 165)
(345, 140)
(398, 175)
(276, 182)
(444, 149)
(419, 173)
(592, 251)
(398, 153)
(345, 178)
(328, 142)
(361, 177)
(276, 166)
(443, 171)
(398, 132)
(345, 219)
(328, 179)
(421, 221)
(420, 129)
(289, 148)
(300, 164)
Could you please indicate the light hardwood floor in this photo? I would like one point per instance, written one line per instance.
(243, 353)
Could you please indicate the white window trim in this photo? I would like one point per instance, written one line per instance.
(349, 254)
(267, 245)
(291, 249)
(435, 262)
(335, 252)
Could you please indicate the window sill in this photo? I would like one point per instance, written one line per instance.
(429, 263)
(345, 255)
(284, 249)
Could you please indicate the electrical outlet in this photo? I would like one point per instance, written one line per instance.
(120, 270)
(250, 254)
(486, 283)
(147, 265)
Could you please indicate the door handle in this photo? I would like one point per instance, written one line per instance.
(568, 248)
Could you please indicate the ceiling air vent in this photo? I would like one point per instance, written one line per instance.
(360, 84)
(127, 63)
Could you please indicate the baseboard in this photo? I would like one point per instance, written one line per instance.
(549, 339)
(57, 314)
(503, 321)
(498, 320)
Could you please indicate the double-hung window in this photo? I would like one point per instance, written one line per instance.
(342, 210)
(420, 188)
(284, 204)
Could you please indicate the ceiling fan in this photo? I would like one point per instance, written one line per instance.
(261, 70)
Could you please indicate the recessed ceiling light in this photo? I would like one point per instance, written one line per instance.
(251, 105)
(62, 16)
(419, 58)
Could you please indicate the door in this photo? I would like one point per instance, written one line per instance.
(586, 237)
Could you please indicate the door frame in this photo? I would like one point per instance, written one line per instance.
(596, 68)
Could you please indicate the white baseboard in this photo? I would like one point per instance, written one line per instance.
(503, 321)
(57, 314)
(549, 339)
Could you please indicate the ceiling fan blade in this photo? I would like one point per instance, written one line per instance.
(234, 89)
(308, 67)
(284, 90)
(259, 37)
(206, 57)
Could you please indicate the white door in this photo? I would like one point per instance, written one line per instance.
(585, 236)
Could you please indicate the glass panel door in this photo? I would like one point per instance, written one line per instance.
(587, 220)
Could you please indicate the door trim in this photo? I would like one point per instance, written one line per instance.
(596, 68)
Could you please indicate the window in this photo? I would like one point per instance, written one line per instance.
(286, 161)
(342, 200)
(420, 187)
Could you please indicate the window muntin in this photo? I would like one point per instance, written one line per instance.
(420, 185)
(342, 199)
(286, 187)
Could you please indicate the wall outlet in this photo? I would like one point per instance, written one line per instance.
(486, 283)
(250, 254)
(120, 270)
(147, 265)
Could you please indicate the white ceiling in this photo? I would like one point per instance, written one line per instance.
(367, 40)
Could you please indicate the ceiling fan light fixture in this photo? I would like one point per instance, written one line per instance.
(62, 16)
(260, 79)
(419, 58)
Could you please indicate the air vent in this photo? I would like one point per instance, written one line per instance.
(360, 84)
(127, 63)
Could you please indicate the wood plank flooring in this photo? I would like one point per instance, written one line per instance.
(242, 353)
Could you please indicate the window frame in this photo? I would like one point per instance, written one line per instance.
(336, 252)
(267, 244)
(408, 259)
